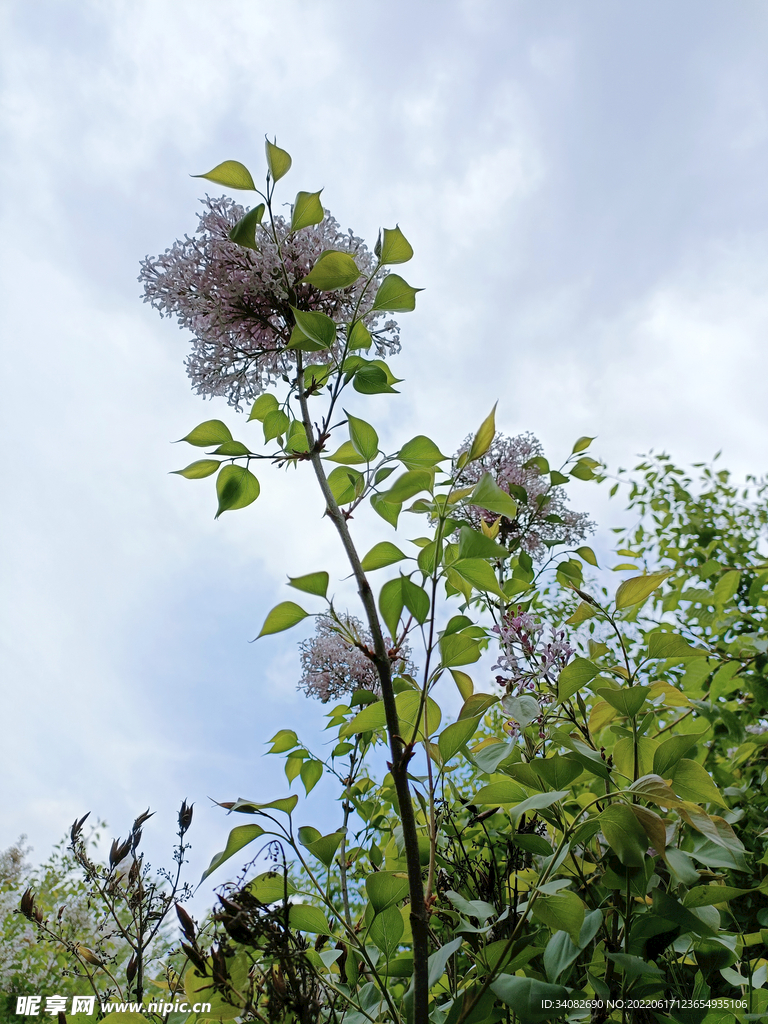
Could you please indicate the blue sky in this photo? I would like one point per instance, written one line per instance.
(584, 186)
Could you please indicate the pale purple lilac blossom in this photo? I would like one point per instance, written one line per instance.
(236, 300)
(542, 512)
(333, 667)
(530, 663)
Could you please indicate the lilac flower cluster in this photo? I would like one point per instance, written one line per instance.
(528, 660)
(236, 300)
(539, 519)
(334, 666)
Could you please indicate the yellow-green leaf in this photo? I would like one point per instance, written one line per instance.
(236, 487)
(638, 588)
(334, 270)
(238, 838)
(231, 173)
(244, 232)
(208, 433)
(395, 247)
(307, 210)
(312, 583)
(382, 554)
(395, 295)
(278, 161)
(484, 437)
(198, 470)
(283, 616)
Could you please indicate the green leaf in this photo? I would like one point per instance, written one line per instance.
(561, 911)
(581, 445)
(473, 544)
(364, 438)
(455, 736)
(711, 895)
(311, 773)
(532, 999)
(638, 588)
(395, 295)
(307, 210)
(408, 703)
(507, 791)
(275, 424)
(244, 232)
(312, 583)
(264, 404)
(346, 484)
(692, 781)
(587, 554)
(386, 930)
(301, 343)
(385, 889)
(557, 771)
(198, 470)
(285, 804)
(297, 440)
(624, 834)
(480, 574)
(583, 612)
(278, 161)
(458, 649)
(316, 375)
(270, 887)
(524, 709)
(238, 838)
(408, 484)
(359, 336)
(627, 700)
(388, 510)
(380, 555)
(478, 909)
(333, 270)
(464, 683)
(370, 719)
(282, 616)
(561, 951)
(488, 495)
(371, 380)
(416, 600)
(346, 454)
(670, 751)
(325, 847)
(236, 487)
(575, 676)
(232, 448)
(477, 704)
(483, 438)
(231, 173)
(395, 247)
(285, 739)
(306, 918)
(208, 433)
(440, 958)
(316, 326)
(671, 645)
(420, 453)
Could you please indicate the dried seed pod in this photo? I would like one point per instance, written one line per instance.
(185, 816)
(187, 924)
(27, 904)
(130, 970)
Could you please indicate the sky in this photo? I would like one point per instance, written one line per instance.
(584, 187)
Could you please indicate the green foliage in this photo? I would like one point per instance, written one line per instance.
(592, 823)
